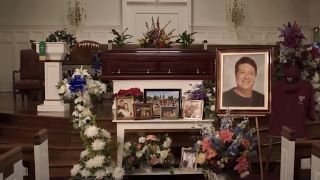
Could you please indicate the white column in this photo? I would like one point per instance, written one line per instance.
(55, 53)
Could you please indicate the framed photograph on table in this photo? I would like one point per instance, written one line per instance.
(169, 113)
(143, 111)
(188, 159)
(192, 109)
(162, 97)
(124, 107)
(243, 80)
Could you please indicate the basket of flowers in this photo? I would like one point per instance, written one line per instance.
(228, 150)
(148, 152)
(135, 92)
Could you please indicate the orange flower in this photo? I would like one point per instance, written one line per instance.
(226, 135)
(211, 153)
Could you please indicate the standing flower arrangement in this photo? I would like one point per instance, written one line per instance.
(293, 52)
(205, 92)
(227, 150)
(95, 161)
(149, 151)
(156, 37)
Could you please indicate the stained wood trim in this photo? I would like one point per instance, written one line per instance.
(316, 149)
(8, 159)
(157, 77)
(288, 133)
(40, 137)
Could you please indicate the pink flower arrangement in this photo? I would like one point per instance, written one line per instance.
(227, 150)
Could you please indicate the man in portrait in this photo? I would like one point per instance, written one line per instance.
(243, 94)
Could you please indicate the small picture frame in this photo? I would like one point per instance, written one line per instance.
(162, 97)
(169, 113)
(124, 107)
(192, 109)
(188, 159)
(143, 111)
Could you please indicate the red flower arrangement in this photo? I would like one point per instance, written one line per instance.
(135, 92)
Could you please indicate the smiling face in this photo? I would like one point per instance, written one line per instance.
(245, 76)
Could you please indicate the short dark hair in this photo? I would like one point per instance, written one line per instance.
(245, 60)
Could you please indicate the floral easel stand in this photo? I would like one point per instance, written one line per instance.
(255, 116)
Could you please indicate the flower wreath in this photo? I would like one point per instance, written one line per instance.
(95, 161)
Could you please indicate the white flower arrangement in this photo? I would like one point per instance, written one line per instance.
(95, 161)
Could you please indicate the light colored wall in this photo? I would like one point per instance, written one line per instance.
(22, 20)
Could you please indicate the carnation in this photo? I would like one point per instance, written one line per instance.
(91, 131)
(109, 170)
(75, 170)
(118, 173)
(98, 144)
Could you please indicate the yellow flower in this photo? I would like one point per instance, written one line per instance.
(201, 158)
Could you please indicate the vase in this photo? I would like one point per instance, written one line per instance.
(145, 167)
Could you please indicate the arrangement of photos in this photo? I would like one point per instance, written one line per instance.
(143, 111)
(192, 109)
(188, 159)
(162, 97)
(163, 103)
(124, 107)
(169, 113)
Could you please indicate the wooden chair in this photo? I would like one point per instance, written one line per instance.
(11, 167)
(31, 75)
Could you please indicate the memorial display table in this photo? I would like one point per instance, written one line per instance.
(123, 125)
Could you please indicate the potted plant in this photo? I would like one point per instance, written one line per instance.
(120, 38)
(185, 39)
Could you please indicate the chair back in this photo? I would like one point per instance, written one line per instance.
(30, 66)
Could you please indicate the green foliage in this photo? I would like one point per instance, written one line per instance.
(185, 39)
(120, 37)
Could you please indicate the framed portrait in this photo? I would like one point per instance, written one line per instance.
(143, 111)
(192, 109)
(124, 107)
(169, 113)
(188, 159)
(162, 97)
(243, 80)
